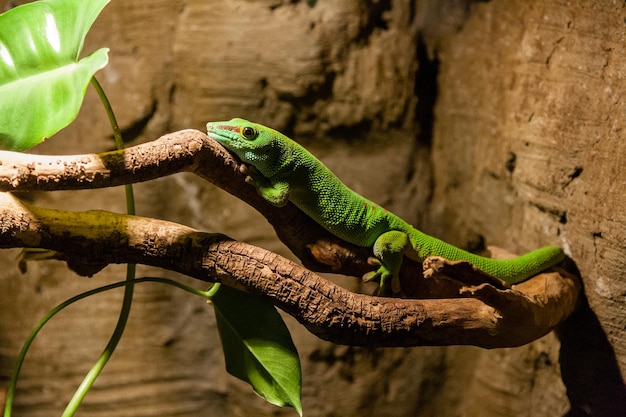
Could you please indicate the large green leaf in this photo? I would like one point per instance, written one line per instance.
(42, 81)
(257, 347)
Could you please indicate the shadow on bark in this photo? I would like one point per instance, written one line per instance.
(589, 368)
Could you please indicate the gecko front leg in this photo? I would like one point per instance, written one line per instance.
(276, 192)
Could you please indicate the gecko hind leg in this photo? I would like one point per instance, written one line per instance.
(389, 249)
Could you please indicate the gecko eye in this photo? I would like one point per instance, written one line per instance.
(249, 132)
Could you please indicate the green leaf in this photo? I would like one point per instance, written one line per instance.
(42, 81)
(257, 347)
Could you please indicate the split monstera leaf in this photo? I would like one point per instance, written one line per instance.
(42, 78)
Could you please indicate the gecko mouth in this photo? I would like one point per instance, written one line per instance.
(215, 136)
(226, 138)
(223, 132)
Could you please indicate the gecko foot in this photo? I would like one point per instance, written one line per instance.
(276, 193)
(257, 180)
(251, 173)
(383, 275)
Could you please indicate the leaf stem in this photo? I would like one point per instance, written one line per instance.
(31, 337)
(106, 354)
(117, 136)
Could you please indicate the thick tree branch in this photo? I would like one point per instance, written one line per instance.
(489, 315)
(186, 150)
(491, 318)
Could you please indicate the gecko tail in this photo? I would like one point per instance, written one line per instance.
(511, 271)
(516, 270)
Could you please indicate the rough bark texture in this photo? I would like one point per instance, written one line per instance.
(492, 313)
(497, 122)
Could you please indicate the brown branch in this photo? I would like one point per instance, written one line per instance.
(176, 152)
(186, 150)
(332, 313)
(489, 315)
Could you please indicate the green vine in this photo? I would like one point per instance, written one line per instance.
(106, 354)
(31, 337)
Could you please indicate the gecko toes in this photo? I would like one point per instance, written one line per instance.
(372, 261)
(385, 278)
(370, 276)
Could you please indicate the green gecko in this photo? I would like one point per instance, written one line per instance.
(281, 170)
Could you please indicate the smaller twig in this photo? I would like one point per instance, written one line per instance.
(176, 152)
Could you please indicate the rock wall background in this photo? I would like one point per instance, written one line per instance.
(480, 122)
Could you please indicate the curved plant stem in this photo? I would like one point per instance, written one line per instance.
(97, 368)
(106, 354)
(212, 290)
(128, 284)
(31, 337)
(119, 142)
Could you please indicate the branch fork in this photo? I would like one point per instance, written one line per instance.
(451, 303)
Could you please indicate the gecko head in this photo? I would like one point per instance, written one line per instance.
(253, 143)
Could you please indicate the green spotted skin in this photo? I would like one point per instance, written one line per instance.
(285, 171)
